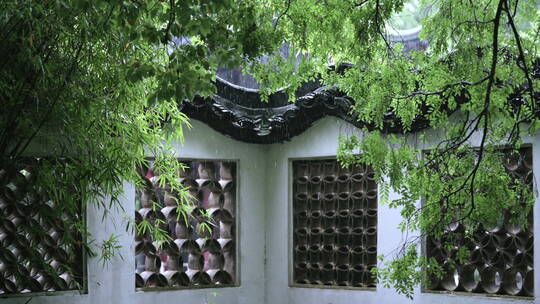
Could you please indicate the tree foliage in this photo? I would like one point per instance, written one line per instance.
(94, 87)
(101, 84)
(475, 89)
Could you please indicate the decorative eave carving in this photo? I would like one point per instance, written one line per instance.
(241, 114)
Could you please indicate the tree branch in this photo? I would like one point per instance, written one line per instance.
(521, 56)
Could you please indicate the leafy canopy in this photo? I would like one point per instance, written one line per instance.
(475, 89)
(99, 86)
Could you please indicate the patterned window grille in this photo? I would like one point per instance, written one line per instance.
(193, 257)
(501, 259)
(40, 241)
(334, 224)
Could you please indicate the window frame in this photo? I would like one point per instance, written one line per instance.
(84, 257)
(290, 230)
(237, 230)
(424, 288)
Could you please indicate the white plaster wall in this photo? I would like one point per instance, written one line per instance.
(264, 232)
(321, 140)
(116, 282)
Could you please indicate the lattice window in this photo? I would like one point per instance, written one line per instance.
(335, 224)
(40, 240)
(193, 256)
(501, 259)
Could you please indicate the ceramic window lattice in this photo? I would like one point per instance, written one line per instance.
(334, 224)
(40, 244)
(193, 256)
(501, 258)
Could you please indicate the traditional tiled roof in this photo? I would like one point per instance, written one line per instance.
(240, 113)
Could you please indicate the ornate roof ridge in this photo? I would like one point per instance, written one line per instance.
(241, 114)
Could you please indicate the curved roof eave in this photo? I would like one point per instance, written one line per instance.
(239, 113)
